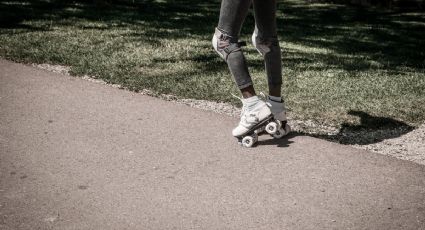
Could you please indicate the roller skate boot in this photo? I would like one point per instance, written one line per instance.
(255, 117)
(278, 110)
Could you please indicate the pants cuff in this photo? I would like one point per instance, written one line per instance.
(245, 85)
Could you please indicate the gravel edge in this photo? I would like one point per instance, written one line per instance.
(406, 144)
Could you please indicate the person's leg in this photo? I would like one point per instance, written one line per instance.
(225, 42)
(266, 41)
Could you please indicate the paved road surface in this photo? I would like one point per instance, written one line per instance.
(81, 155)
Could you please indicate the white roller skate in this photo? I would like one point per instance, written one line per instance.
(255, 117)
(279, 113)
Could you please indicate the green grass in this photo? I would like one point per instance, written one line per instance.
(337, 59)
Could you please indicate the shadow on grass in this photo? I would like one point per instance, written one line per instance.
(389, 39)
(370, 130)
(354, 37)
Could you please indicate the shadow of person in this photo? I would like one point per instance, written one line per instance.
(371, 129)
(282, 142)
(372, 122)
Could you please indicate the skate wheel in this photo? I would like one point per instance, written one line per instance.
(282, 132)
(248, 141)
(271, 128)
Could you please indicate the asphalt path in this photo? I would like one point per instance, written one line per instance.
(81, 155)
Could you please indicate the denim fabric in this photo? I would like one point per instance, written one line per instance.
(232, 16)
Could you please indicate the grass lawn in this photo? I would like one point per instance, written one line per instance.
(338, 61)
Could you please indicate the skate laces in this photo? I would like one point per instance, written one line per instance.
(250, 106)
(236, 96)
(265, 98)
(262, 95)
(247, 117)
(243, 109)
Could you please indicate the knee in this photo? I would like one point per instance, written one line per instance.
(265, 45)
(225, 44)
